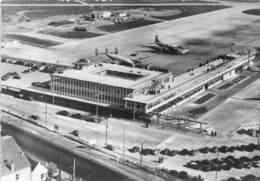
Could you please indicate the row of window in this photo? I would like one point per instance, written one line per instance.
(135, 105)
(64, 82)
(88, 95)
(159, 101)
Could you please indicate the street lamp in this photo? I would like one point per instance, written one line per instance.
(96, 96)
(258, 138)
(107, 126)
(45, 111)
(134, 111)
(96, 109)
(124, 142)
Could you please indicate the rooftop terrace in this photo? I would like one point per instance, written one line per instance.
(113, 75)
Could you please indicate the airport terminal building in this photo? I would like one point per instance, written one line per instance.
(108, 84)
(142, 90)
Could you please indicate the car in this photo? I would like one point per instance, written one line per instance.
(28, 98)
(75, 133)
(35, 117)
(23, 96)
(17, 77)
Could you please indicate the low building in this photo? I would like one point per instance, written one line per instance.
(15, 165)
(39, 171)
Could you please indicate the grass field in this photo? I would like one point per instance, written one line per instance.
(32, 40)
(44, 12)
(226, 85)
(151, 1)
(253, 11)
(36, 2)
(73, 34)
(127, 25)
(205, 98)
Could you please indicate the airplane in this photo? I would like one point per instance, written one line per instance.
(167, 48)
(115, 57)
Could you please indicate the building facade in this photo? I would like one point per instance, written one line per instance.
(107, 83)
(15, 165)
(141, 90)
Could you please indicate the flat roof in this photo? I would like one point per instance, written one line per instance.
(190, 80)
(93, 74)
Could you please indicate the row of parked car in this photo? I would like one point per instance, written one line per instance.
(87, 118)
(249, 132)
(23, 96)
(226, 163)
(43, 67)
(45, 85)
(185, 152)
(9, 75)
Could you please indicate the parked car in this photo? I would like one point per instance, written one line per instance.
(23, 96)
(75, 133)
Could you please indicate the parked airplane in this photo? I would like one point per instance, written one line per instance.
(115, 57)
(167, 48)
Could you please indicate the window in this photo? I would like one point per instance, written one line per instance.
(17, 177)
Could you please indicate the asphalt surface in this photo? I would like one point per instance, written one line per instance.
(129, 41)
(100, 158)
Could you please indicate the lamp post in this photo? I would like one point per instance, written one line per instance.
(96, 96)
(96, 109)
(46, 118)
(106, 130)
(124, 142)
(134, 111)
(141, 153)
(258, 138)
(107, 127)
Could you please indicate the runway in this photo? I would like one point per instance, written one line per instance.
(175, 32)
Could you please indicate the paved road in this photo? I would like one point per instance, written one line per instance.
(92, 155)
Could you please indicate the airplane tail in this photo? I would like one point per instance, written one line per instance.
(156, 39)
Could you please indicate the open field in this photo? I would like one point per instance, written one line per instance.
(37, 2)
(176, 31)
(252, 91)
(231, 114)
(31, 40)
(46, 11)
(72, 34)
(150, 1)
(252, 11)
(127, 25)
(25, 20)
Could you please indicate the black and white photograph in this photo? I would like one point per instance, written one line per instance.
(130, 90)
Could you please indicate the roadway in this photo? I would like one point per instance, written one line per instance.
(94, 156)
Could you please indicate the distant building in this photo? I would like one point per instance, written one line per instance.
(81, 63)
(15, 165)
(39, 171)
(105, 14)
